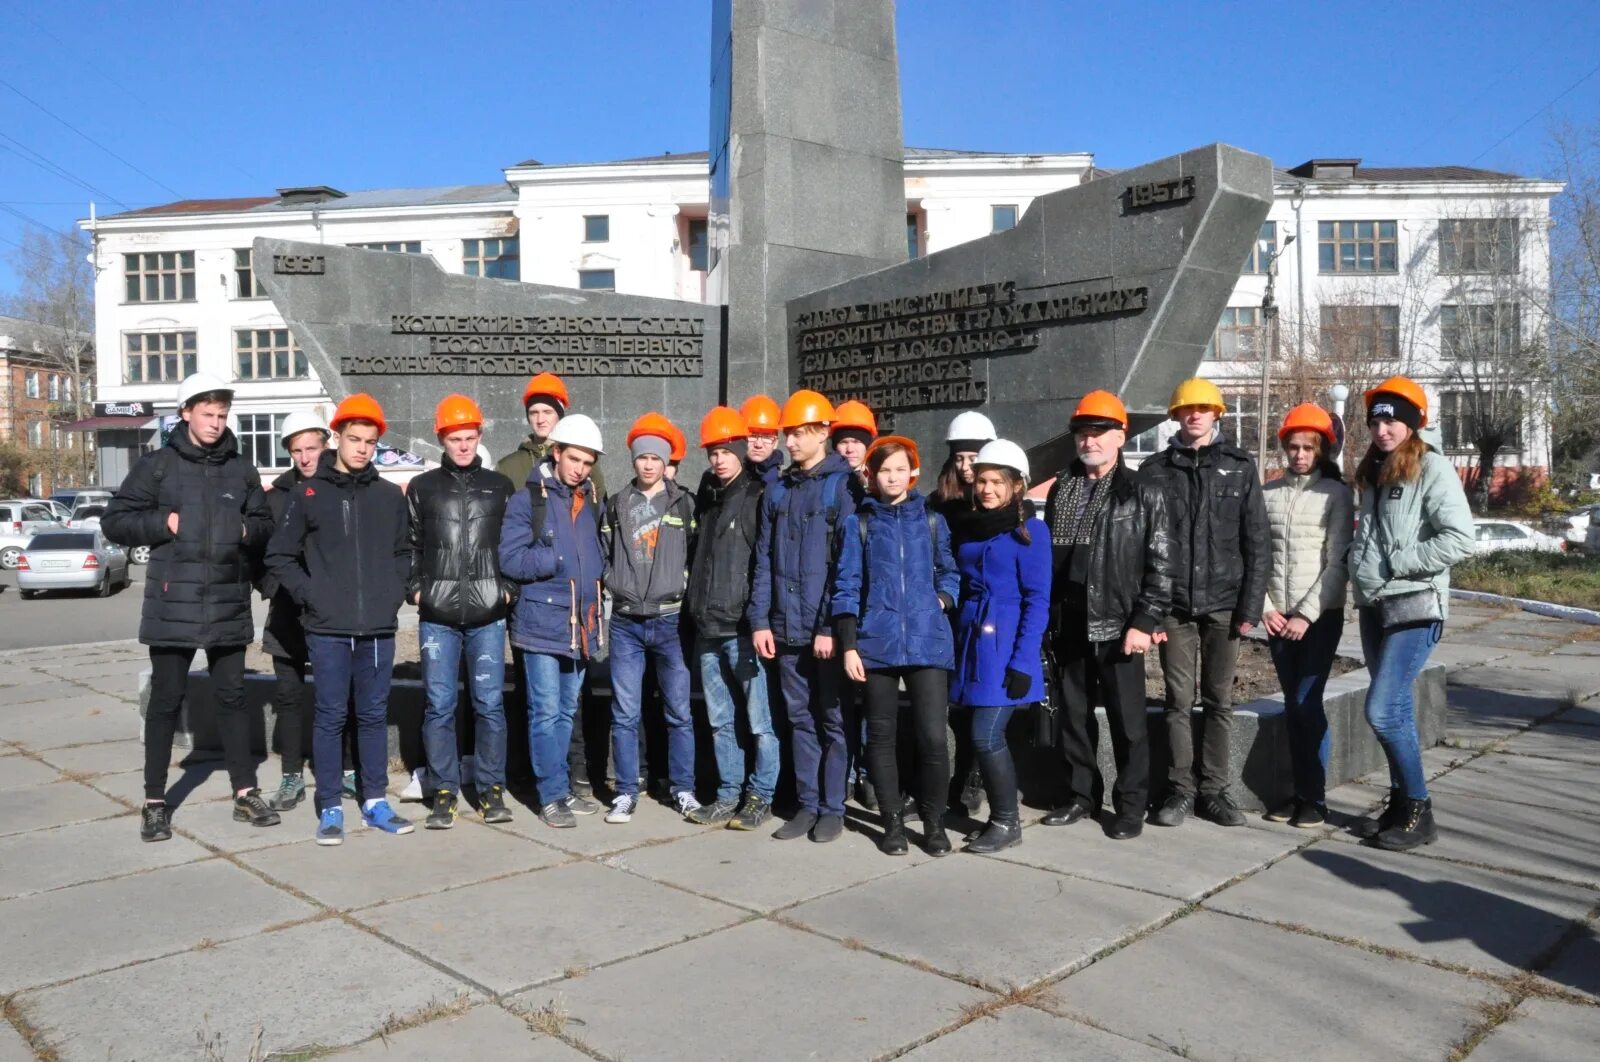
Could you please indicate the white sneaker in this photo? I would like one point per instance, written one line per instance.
(412, 793)
(469, 770)
(687, 802)
(622, 809)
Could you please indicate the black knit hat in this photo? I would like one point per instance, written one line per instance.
(1396, 407)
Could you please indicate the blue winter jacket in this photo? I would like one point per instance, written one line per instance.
(1005, 607)
(560, 566)
(792, 586)
(894, 587)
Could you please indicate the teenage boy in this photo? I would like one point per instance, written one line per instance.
(342, 555)
(765, 456)
(854, 428)
(1221, 555)
(789, 609)
(649, 535)
(550, 546)
(732, 678)
(454, 514)
(199, 505)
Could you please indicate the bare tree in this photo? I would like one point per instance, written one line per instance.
(1573, 306)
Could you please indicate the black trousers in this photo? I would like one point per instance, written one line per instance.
(1100, 671)
(169, 684)
(887, 741)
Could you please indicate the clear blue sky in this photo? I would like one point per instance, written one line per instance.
(218, 99)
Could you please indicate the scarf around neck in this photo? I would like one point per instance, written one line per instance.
(974, 525)
(1072, 522)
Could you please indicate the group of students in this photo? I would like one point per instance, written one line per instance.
(875, 614)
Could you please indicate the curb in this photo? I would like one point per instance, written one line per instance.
(1538, 608)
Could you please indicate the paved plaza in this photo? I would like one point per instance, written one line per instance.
(662, 940)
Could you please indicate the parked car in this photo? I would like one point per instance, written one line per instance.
(1591, 543)
(1493, 535)
(86, 516)
(1574, 526)
(20, 520)
(72, 560)
(76, 496)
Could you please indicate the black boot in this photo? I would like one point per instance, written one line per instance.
(934, 841)
(1392, 813)
(893, 841)
(1413, 828)
(1005, 824)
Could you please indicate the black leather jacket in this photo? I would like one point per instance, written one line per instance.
(1130, 558)
(453, 515)
(719, 581)
(1221, 544)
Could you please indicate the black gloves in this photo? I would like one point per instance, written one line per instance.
(1017, 684)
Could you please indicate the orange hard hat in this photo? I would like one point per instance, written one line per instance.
(911, 452)
(805, 407)
(680, 442)
(853, 414)
(1101, 406)
(359, 406)
(1407, 389)
(456, 411)
(722, 425)
(652, 423)
(760, 415)
(1308, 416)
(547, 385)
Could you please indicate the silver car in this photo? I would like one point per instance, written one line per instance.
(72, 560)
(20, 520)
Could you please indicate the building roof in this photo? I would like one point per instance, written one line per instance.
(702, 156)
(1350, 171)
(27, 337)
(449, 195)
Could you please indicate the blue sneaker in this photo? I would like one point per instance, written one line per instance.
(330, 826)
(382, 817)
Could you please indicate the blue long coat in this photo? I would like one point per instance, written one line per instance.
(559, 565)
(901, 623)
(1005, 607)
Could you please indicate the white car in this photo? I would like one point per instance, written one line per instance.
(1574, 526)
(72, 560)
(20, 520)
(1493, 535)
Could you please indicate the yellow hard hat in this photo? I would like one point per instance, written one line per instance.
(1196, 392)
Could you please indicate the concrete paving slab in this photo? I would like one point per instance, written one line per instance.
(1577, 965)
(74, 721)
(1024, 1034)
(90, 851)
(18, 771)
(1543, 1031)
(1476, 918)
(651, 823)
(138, 1015)
(1437, 761)
(1526, 780)
(1211, 986)
(101, 757)
(1559, 741)
(13, 1048)
(1492, 636)
(1185, 863)
(756, 872)
(211, 823)
(41, 807)
(1506, 676)
(200, 788)
(52, 936)
(426, 861)
(1586, 714)
(831, 1001)
(1589, 647)
(567, 917)
(1031, 924)
(485, 1031)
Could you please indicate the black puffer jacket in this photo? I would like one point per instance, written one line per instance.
(1130, 557)
(197, 589)
(724, 560)
(283, 636)
(1221, 544)
(341, 551)
(454, 516)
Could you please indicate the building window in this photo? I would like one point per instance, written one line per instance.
(699, 244)
(597, 279)
(1478, 245)
(1361, 333)
(258, 439)
(1261, 252)
(36, 434)
(156, 357)
(1470, 333)
(268, 354)
(1458, 424)
(1003, 217)
(31, 384)
(492, 258)
(245, 285)
(55, 388)
(1146, 442)
(596, 228)
(393, 247)
(1356, 247)
(1239, 336)
(913, 242)
(36, 484)
(1241, 424)
(160, 276)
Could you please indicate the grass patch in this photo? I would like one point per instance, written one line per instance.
(1560, 578)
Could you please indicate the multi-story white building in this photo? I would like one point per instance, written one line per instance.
(175, 293)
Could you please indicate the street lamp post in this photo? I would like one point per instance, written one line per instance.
(1269, 312)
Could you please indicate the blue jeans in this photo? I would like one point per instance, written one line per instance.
(350, 672)
(486, 675)
(811, 699)
(1303, 672)
(1394, 659)
(727, 664)
(658, 640)
(989, 727)
(554, 685)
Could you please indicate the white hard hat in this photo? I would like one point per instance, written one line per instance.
(1004, 453)
(970, 425)
(576, 429)
(295, 423)
(198, 384)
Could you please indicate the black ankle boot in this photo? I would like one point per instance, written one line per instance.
(1393, 812)
(893, 841)
(934, 841)
(1000, 785)
(1413, 828)
(1001, 833)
